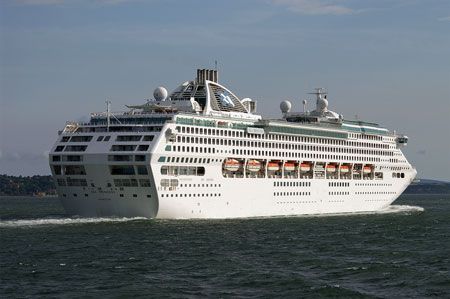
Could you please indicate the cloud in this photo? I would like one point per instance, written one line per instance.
(444, 19)
(318, 7)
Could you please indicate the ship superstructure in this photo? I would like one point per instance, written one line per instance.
(201, 152)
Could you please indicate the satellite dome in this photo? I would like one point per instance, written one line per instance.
(323, 104)
(160, 94)
(285, 106)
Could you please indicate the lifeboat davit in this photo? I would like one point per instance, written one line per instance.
(273, 166)
(289, 166)
(253, 165)
(305, 167)
(231, 164)
(367, 169)
(331, 168)
(344, 169)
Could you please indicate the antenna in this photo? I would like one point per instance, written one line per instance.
(108, 113)
(304, 105)
(215, 65)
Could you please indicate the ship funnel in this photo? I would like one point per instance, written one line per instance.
(203, 74)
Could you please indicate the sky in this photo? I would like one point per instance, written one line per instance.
(384, 61)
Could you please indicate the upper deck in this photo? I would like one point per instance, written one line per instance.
(204, 102)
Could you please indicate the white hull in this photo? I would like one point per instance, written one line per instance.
(230, 197)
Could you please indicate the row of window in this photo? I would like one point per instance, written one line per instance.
(69, 170)
(291, 193)
(367, 137)
(126, 138)
(129, 147)
(116, 127)
(183, 170)
(338, 184)
(398, 175)
(375, 192)
(339, 193)
(190, 160)
(278, 137)
(284, 154)
(67, 158)
(292, 184)
(373, 184)
(71, 148)
(131, 183)
(128, 169)
(83, 138)
(71, 182)
(279, 145)
(137, 158)
(192, 195)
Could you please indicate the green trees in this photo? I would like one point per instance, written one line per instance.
(30, 185)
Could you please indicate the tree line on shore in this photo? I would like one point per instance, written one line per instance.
(37, 185)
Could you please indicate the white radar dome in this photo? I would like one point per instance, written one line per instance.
(160, 94)
(323, 104)
(285, 106)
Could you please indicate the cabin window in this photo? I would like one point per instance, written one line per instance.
(75, 148)
(81, 139)
(123, 148)
(72, 158)
(120, 158)
(142, 170)
(74, 170)
(139, 158)
(144, 183)
(128, 138)
(57, 169)
(122, 169)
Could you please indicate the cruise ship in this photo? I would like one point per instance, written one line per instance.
(201, 152)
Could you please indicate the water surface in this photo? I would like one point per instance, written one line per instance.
(401, 252)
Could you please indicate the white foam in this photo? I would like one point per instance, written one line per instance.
(63, 221)
(392, 209)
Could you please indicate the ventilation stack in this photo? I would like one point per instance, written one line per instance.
(203, 74)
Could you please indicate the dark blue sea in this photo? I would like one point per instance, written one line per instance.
(399, 253)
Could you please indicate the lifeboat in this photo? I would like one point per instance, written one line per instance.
(231, 164)
(367, 169)
(253, 165)
(344, 169)
(331, 168)
(289, 166)
(305, 167)
(273, 166)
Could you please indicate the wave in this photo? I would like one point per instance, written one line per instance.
(393, 209)
(63, 221)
